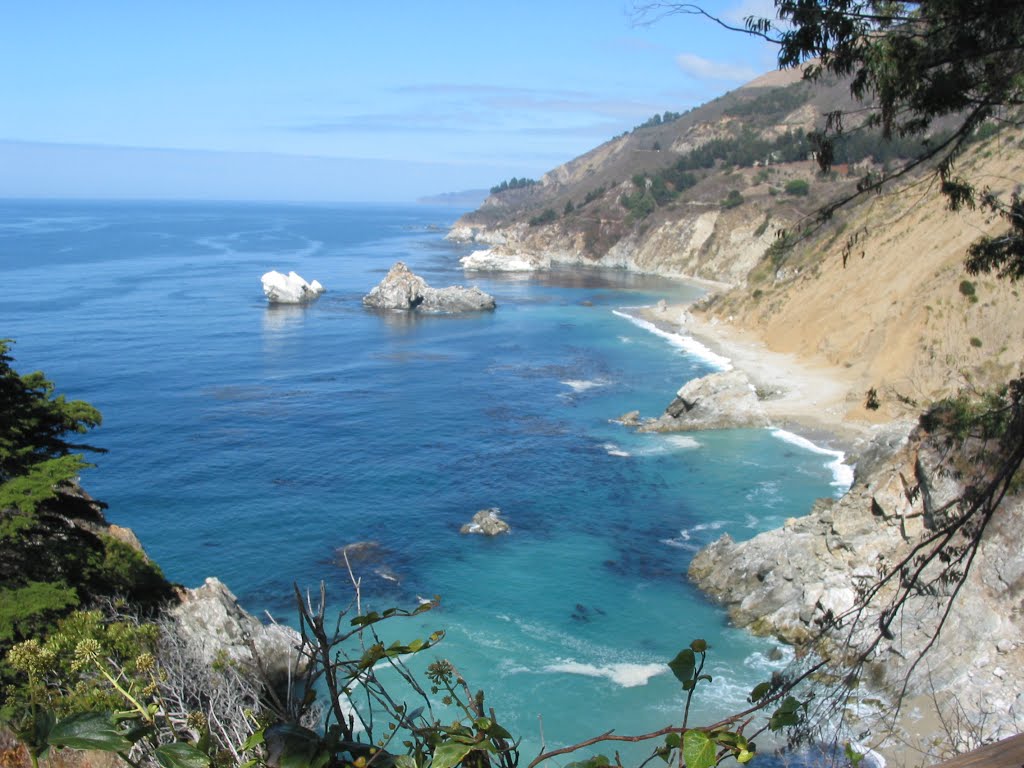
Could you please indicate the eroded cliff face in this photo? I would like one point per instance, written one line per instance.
(784, 582)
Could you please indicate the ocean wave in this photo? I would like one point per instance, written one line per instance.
(613, 450)
(687, 344)
(685, 538)
(624, 674)
(842, 473)
(662, 444)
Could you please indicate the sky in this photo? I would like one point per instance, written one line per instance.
(337, 100)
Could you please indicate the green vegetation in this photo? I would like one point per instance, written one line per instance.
(513, 183)
(774, 103)
(733, 200)
(797, 187)
(967, 290)
(547, 216)
(50, 562)
(662, 119)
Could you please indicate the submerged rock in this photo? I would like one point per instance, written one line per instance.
(401, 289)
(487, 523)
(724, 400)
(290, 288)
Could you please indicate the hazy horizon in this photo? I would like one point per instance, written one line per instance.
(344, 104)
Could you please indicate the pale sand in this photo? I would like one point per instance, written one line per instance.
(814, 398)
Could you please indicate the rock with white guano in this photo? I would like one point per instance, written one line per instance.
(290, 288)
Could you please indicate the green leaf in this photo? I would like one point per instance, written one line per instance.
(683, 665)
(253, 741)
(698, 750)
(178, 754)
(673, 740)
(759, 692)
(786, 715)
(450, 754)
(745, 755)
(597, 761)
(292, 746)
(89, 730)
(483, 723)
(405, 761)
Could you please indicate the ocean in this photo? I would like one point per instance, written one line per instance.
(252, 442)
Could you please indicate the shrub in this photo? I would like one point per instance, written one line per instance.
(549, 215)
(798, 187)
(733, 200)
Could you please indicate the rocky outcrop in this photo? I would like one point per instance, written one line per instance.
(725, 400)
(487, 523)
(290, 288)
(501, 259)
(211, 620)
(783, 582)
(403, 290)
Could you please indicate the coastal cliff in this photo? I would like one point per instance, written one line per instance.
(787, 582)
(851, 326)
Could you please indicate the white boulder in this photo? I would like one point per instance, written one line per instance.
(290, 288)
(499, 259)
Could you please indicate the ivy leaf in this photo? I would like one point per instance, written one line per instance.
(698, 750)
(178, 754)
(89, 730)
(450, 754)
(683, 665)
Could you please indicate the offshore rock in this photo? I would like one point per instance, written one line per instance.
(724, 400)
(403, 290)
(211, 619)
(290, 288)
(487, 523)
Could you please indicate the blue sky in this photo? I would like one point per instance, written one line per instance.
(337, 100)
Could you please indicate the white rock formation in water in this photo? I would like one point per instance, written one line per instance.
(401, 289)
(290, 288)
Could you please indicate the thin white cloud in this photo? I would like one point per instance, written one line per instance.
(705, 69)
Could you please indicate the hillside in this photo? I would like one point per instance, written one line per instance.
(707, 195)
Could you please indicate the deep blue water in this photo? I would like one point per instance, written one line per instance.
(252, 442)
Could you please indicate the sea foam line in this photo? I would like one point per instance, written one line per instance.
(687, 344)
(623, 674)
(842, 473)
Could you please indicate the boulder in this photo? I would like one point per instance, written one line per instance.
(211, 619)
(403, 290)
(487, 523)
(290, 288)
(724, 400)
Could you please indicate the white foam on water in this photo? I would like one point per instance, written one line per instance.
(623, 674)
(685, 540)
(682, 441)
(687, 344)
(662, 444)
(613, 450)
(842, 473)
(582, 385)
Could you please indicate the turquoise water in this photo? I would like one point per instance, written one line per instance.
(252, 442)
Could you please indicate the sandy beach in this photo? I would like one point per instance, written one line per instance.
(813, 398)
